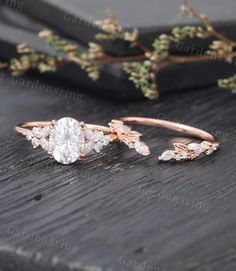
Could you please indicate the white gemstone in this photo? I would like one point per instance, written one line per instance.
(197, 148)
(96, 140)
(177, 157)
(87, 148)
(89, 134)
(45, 131)
(44, 144)
(41, 132)
(210, 151)
(121, 129)
(180, 156)
(98, 136)
(167, 155)
(37, 131)
(209, 147)
(206, 144)
(29, 135)
(35, 142)
(98, 146)
(106, 141)
(128, 143)
(94, 135)
(66, 140)
(141, 148)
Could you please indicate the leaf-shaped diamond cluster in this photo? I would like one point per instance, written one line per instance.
(129, 137)
(189, 151)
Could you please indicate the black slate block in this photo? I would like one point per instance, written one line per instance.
(117, 208)
(16, 28)
(151, 17)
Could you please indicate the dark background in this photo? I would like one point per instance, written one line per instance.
(117, 210)
(21, 20)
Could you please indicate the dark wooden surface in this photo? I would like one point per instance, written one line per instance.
(116, 210)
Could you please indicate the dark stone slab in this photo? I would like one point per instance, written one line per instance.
(16, 28)
(151, 17)
(115, 210)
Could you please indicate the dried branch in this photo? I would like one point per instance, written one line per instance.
(142, 68)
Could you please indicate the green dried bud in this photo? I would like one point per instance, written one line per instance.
(142, 76)
(229, 83)
(131, 36)
(45, 33)
(189, 32)
(93, 72)
(101, 37)
(24, 48)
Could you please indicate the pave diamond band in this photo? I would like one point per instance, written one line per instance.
(68, 140)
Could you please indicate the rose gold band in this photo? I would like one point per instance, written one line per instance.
(164, 124)
(68, 140)
(24, 127)
(180, 151)
(39, 133)
(174, 126)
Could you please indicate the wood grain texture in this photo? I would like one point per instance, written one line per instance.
(116, 211)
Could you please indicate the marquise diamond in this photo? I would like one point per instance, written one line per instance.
(96, 140)
(197, 148)
(167, 155)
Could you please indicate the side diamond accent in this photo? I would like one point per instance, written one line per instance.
(95, 140)
(189, 151)
(129, 137)
(167, 155)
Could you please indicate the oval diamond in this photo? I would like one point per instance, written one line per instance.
(66, 140)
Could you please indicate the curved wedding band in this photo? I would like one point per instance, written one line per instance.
(180, 151)
(68, 140)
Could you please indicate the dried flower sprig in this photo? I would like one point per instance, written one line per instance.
(143, 76)
(30, 59)
(113, 30)
(229, 83)
(141, 68)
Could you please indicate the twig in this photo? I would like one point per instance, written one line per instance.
(210, 28)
